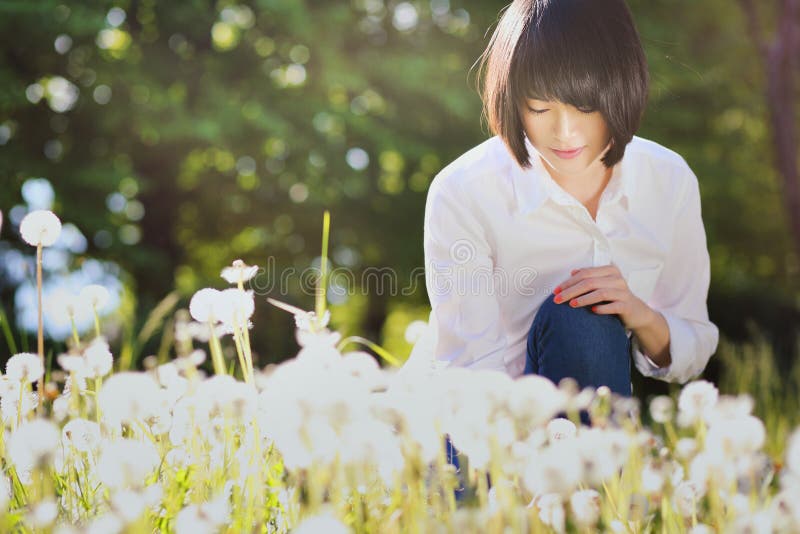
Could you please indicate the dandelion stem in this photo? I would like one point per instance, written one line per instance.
(248, 353)
(237, 341)
(323, 274)
(216, 350)
(97, 383)
(40, 332)
(75, 338)
(19, 404)
(96, 321)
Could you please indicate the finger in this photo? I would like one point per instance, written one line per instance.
(583, 273)
(573, 279)
(597, 296)
(583, 286)
(607, 308)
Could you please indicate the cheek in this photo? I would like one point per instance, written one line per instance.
(534, 126)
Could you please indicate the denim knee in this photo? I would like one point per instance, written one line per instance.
(592, 348)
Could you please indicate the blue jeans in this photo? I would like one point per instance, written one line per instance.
(572, 342)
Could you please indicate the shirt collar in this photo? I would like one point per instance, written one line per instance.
(534, 185)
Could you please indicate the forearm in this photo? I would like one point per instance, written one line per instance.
(653, 337)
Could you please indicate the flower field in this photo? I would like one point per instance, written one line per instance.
(329, 441)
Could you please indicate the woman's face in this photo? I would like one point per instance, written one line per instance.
(553, 126)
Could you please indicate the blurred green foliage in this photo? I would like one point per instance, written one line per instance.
(222, 130)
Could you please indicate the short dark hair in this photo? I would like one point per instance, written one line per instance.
(586, 53)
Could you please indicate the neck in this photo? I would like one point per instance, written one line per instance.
(587, 184)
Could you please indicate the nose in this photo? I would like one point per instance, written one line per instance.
(564, 125)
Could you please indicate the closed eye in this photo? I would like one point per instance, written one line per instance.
(540, 111)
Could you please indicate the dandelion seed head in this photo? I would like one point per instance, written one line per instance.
(662, 409)
(42, 514)
(235, 306)
(24, 367)
(554, 470)
(696, 401)
(126, 463)
(10, 404)
(323, 522)
(536, 399)
(585, 507)
(5, 493)
(652, 478)
(559, 429)
(128, 504)
(551, 511)
(40, 227)
(203, 305)
(62, 306)
(127, 397)
(94, 295)
(793, 452)
(686, 497)
(109, 523)
(99, 360)
(81, 434)
(72, 363)
(238, 270)
(33, 443)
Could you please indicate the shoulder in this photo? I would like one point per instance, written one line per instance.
(660, 169)
(647, 152)
(475, 171)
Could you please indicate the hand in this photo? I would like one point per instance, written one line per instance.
(605, 290)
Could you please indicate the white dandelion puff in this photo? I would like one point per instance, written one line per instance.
(95, 296)
(324, 522)
(551, 511)
(129, 397)
(686, 498)
(81, 434)
(24, 367)
(585, 506)
(40, 227)
(126, 463)
(99, 360)
(560, 428)
(696, 401)
(662, 408)
(5, 493)
(238, 271)
(33, 443)
(204, 304)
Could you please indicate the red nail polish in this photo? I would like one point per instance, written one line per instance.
(594, 309)
(557, 299)
(557, 290)
(573, 303)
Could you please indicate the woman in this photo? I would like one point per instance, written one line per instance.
(565, 245)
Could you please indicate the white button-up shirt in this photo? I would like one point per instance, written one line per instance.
(498, 239)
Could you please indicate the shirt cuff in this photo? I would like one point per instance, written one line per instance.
(682, 348)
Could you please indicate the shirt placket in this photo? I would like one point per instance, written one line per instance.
(596, 229)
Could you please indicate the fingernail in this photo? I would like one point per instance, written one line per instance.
(557, 299)
(557, 290)
(573, 303)
(594, 309)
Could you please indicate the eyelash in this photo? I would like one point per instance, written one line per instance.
(540, 111)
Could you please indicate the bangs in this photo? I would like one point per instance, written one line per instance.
(564, 56)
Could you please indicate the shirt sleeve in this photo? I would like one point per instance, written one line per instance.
(465, 315)
(681, 292)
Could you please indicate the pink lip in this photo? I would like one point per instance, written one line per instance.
(567, 154)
